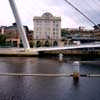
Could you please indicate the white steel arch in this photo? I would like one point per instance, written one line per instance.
(19, 24)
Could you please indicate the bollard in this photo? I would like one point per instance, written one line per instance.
(27, 50)
(60, 57)
(76, 71)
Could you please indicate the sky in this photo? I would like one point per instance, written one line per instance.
(70, 18)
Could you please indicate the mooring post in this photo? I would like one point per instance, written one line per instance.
(76, 70)
(60, 57)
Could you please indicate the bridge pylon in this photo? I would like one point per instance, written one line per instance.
(19, 25)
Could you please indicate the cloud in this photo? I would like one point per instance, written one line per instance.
(70, 18)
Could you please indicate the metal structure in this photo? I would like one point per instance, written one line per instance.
(19, 24)
(78, 10)
(70, 47)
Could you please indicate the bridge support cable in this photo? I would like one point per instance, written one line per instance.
(19, 25)
(78, 10)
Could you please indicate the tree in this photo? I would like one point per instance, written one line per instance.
(2, 39)
(64, 33)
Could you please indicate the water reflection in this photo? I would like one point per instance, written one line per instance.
(76, 83)
(46, 88)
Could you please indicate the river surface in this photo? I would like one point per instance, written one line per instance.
(48, 88)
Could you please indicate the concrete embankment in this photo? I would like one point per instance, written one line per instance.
(17, 52)
(77, 53)
(49, 75)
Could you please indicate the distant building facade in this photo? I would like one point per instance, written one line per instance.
(13, 36)
(81, 34)
(47, 30)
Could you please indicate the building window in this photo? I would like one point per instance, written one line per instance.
(47, 44)
(55, 43)
(54, 22)
(54, 33)
(57, 25)
(37, 37)
(53, 29)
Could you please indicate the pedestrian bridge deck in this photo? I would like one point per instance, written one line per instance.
(70, 47)
(34, 51)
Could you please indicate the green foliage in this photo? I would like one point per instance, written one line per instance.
(32, 44)
(64, 33)
(2, 40)
(38, 44)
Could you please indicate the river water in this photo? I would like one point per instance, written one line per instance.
(48, 88)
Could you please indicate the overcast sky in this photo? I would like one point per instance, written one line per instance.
(70, 18)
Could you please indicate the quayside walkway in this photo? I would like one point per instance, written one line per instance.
(49, 75)
(35, 51)
(69, 47)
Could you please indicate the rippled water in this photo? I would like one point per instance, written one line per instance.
(47, 88)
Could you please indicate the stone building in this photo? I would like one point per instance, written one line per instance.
(47, 30)
(13, 36)
(81, 34)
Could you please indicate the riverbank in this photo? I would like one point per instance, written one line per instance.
(20, 52)
(14, 52)
(71, 53)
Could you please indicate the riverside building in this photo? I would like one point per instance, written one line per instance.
(47, 30)
(13, 36)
